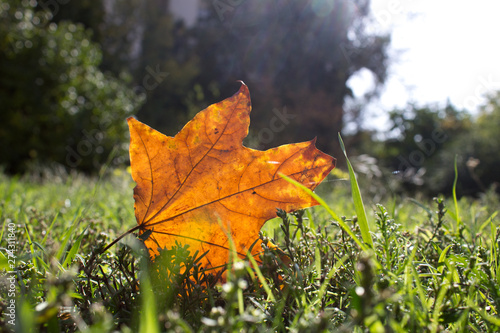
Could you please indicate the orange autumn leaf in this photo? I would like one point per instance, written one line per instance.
(203, 184)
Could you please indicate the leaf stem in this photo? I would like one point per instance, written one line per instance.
(137, 227)
(95, 254)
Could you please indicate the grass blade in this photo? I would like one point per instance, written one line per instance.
(73, 251)
(492, 319)
(358, 200)
(329, 276)
(442, 258)
(148, 317)
(328, 209)
(261, 277)
(68, 235)
(32, 249)
(50, 228)
(457, 214)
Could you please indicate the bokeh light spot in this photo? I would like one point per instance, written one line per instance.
(322, 7)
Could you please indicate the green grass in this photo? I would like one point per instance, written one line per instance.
(429, 270)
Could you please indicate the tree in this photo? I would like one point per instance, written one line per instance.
(57, 106)
(166, 67)
(144, 39)
(114, 25)
(422, 146)
(424, 142)
(482, 146)
(295, 56)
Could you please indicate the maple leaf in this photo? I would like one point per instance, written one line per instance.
(202, 185)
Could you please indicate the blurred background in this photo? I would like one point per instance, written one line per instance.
(410, 84)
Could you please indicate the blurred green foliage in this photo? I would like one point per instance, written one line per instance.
(421, 151)
(418, 153)
(72, 71)
(296, 57)
(57, 105)
(483, 145)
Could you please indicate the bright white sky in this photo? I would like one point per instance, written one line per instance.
(440, 49)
